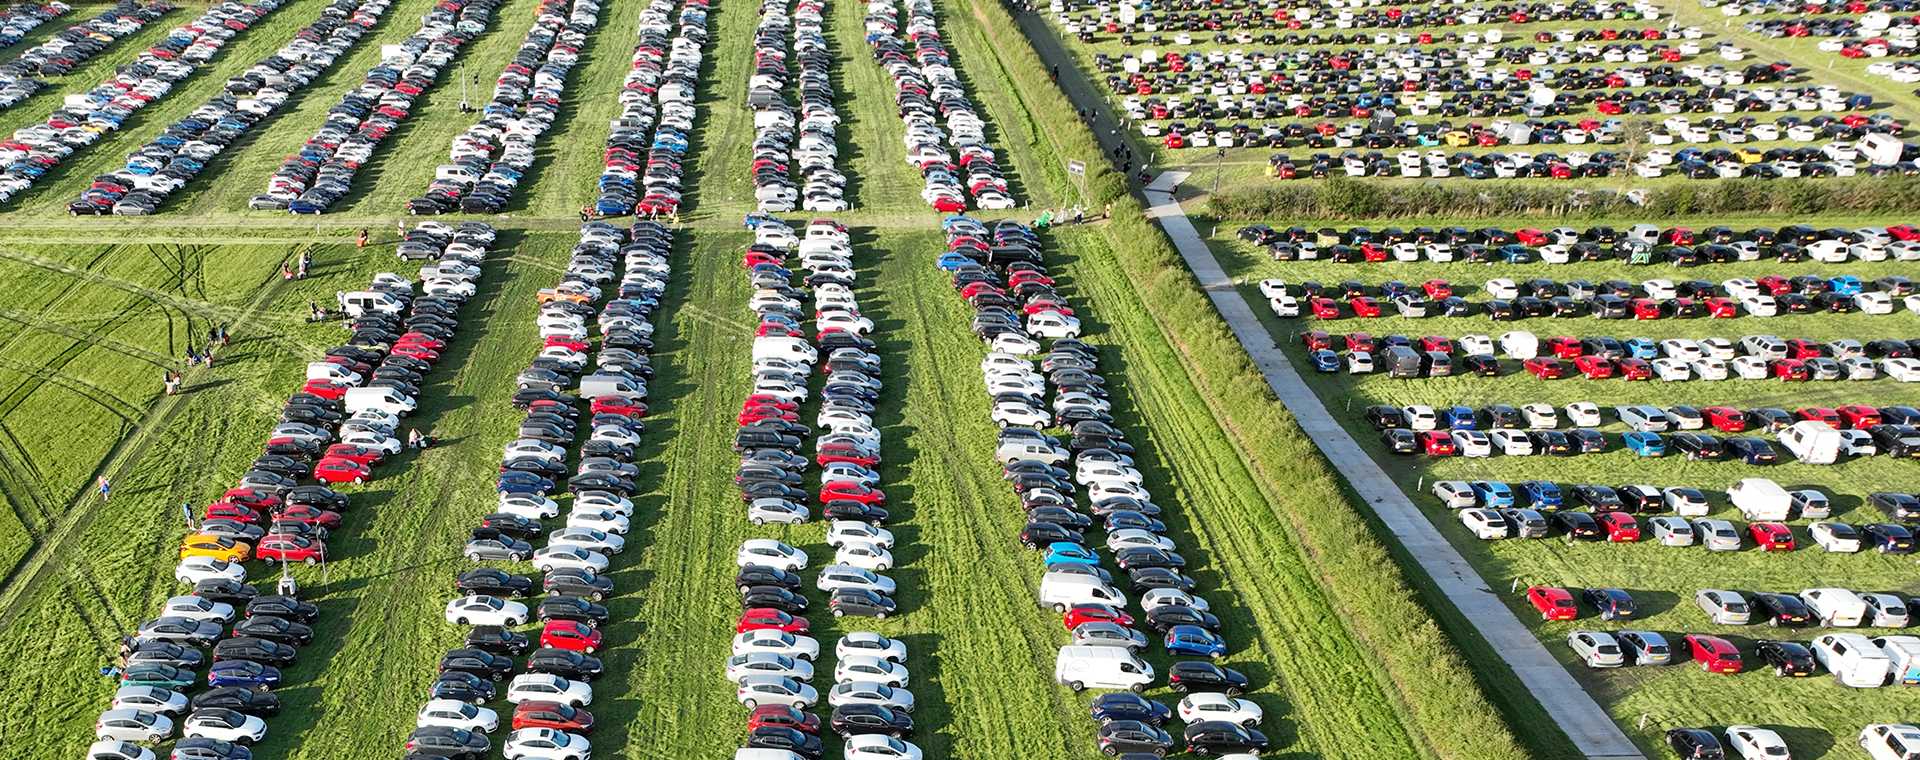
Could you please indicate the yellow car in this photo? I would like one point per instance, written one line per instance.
(1748, 155)
(217, 547)
(1458, 139)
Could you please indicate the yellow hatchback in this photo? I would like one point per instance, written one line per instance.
(217, 547)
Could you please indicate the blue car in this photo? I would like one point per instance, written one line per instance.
(951, 261)
(1846, 285)
(1542, 494)
(1325, 360)
(245, 673)
(1070, 553)
(524, 482)
(1492, 494)
(1194, 640)
(1515, 253)
(1459, 418)
(1645, 444)
(1643, 348)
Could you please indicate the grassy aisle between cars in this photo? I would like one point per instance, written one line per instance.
(1816, 716)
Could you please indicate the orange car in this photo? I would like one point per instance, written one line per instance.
(217, 547)
(551, 295)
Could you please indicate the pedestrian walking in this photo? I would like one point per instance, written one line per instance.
(1055, 72)
(193, 357)
(361, 241)
(105, 487)
(415, 440)
(111, 672)
(171, 381)
(186, 513)
(400, 229)
(286, 272)
(227, 337)
(1079, 214)
(301, 273)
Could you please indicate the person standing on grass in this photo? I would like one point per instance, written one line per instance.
(361, 242)
(106, 488)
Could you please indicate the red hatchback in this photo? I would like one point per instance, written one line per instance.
(227, 510)
(620, 405)
(1565, 347)
(1365, 307)
(1790, 369)
(1859, 416)
(334, 470)
(1726, 419)
(1324, 308)
(571, 635)
(1636, 369)
(1553, 602)
(1096, 613)
(850, 491)
(1715, 654)
(363, 454)
(1547, 367)
(1819, 414)
(1438, 443)
(1620, 526)
(770, 619)
(289, 548)
(1362, 342)
(1771, 536)
(554, 715)
(325, 389)
(783, 716)
(1594, 367)
(311, 515)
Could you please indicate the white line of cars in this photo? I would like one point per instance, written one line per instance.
(648, 138)
(1000, 271)
(321, 173)
(85, 118)
(249, 637)
(72, 47)
(930, 94)
(792, 141)
(168, 162)
(487, 161)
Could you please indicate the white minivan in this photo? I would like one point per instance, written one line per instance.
(1852, 659)
(1059, 591)
(1835, 607)
(379, 399)
(1084, 667)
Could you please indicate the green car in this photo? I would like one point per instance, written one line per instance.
(160, 675)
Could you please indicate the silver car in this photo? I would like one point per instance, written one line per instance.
(1645, 647)
(1719, 535)
(1671, 531)
(1598, 649)
(1723, 607)
(1106, 634)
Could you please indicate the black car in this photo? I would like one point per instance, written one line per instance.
(462, 686)
(1123, 519)
(1037, 534)
(1578, 525)
(283, 607)
(1384, 417)
(512, 525)
(856, 720)
(480, 662)
(1903, 507)
(274, 629)
(1900, 440)
(1133, 736)
(255, 702)
(845, 509)
(1612, 603)
(1549, 442)
(1219, 737)
(1787, 658)
(1889, 538)
(564, 663)
(861, 602)
(208, 748)
(1698, 446)
(493, 582)
(1752, 450)
(1061, 516)
(1597, 498)
(496, 639)
(1167, 616)
(1197, 675)
(1588, 440)
(443, 741)
(775, 597)
(1400, 441)
(1141, 557)
(577, 582)
(762, 575)
(1159, 577)
(1695, 744)
(781, 737)
(225, 591)
(1781, 609)
(258, 650)
(1129, 706)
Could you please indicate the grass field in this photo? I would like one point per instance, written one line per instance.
(1815, 715)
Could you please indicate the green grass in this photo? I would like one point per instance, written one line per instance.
(1816, 714)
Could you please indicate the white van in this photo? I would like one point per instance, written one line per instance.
(1520, 344)
(1058, 591)
(784, 348)
(1852, 659)
(361, 302)
(1812, 441)
(1835, 607)
(1760, 499)
(1014, 451)
(380, 399)
(333, 372)
(1903, 654)
(595, 386)
(1083, 667)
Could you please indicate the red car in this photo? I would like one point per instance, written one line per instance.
(1775, 284)
(1594, 367)
(756, 258)
(325, 389)
(1436, 343)
(289, 548)
(1530, 237)
(755, 414)
(571, 344)
(1553, 602)
(251, 497)
(1859, 416)
(976, 288)
(1364, 307)
(1771, 536)
(1438, 443)
(421, 339)
(784, 716)
(844, 453)
(417, 352)
(1715, 654)
(850, 491)
(1025, 276)
(333, 470)
(1801, 348)
(1547, 367)
(1819, 414)
(1043, 304)
(1565, 347)
(1790, 369)
(1438, 290)
(1096, 613)
(311, 515)
(777, 330)
(763, 399)
(1316, 340)
(1620, 526)
(1324, 308)
(1636, 369)
(768, 618)
(554, 715)
(227, 510)
(1726, 419)
(571, 635)
(362, 454)
(1361, 342)
(1647, 308)
(621, 405)
(1722, 308)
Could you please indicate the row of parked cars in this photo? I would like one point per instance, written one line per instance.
(72, 47)
(1614, 299)
(648, 141)
(84, 118)
(343, 417)
(794, 148)
(930, 95)
(321, 173)
(487, 161)
(1199, 17)
(170, 160)
(549, 719)
(1004, 275)
(1638, 244)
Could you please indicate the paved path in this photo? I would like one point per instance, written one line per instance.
(1591, 730)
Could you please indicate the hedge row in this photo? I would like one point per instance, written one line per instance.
(1447, 709)
(1343, 198)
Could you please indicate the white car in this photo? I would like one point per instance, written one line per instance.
(1484, 524)
(546, 744)
(870, 693)
(481, 609)
(587, 538)
(864, 556)
(1838, 538)
(1015, 343)
(879, 747)
(197, 608)
(605, 520)
(225, 725)
(1718, 348)
(1284, 306)
(1473, 443)
(770, 553)
(1019, 414)
(862, 667)
(1710, 369)
(546, 687)
(1503, 288)
(550, 558)
(1874, 302)
(776, 642)
(1171, 597)
(530, 506)
(1273, 288)
(529, 447)
(1583, 414)
(741, 666)
(152, 699)
(1454, 494)
(1903, 369)
(1476, 345)
(1540, 416)
(1672, 370)
(132, 725)
(193, 570)
(775, 690)
(1513, 443)
(1053, 324)
(776, 510)
(868, 643)
(114, 749)
(1132, 537)
(1212, 705)
(1889, 741)
(1751, 368)
(1669, 530)
(835, 577)
(453, 713)
(1422, 417)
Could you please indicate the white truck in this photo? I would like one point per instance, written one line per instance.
(1760, 499)
(1812, 441)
